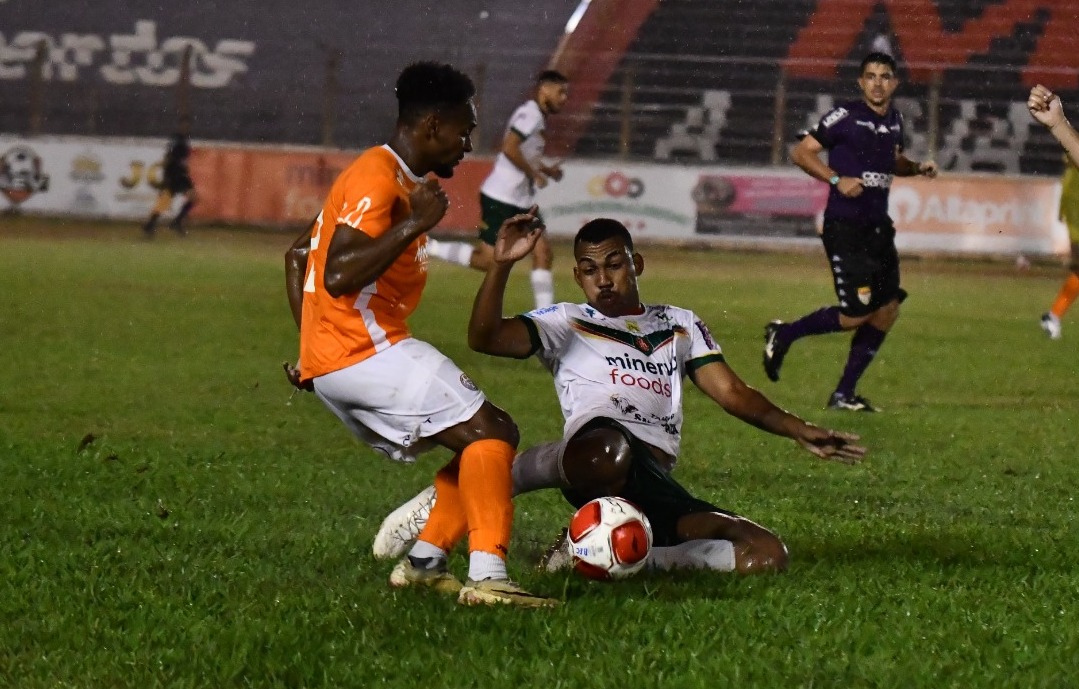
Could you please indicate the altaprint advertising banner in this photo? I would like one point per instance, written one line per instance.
(978, 214)
(975, 214)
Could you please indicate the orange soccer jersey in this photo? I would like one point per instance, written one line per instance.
(370, 196)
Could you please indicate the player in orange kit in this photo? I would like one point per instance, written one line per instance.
(352, 280)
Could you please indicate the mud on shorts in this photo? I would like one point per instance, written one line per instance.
(650, 487)
(865, 265)
(493, 214)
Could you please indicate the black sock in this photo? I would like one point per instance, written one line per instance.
(425, 563)
(184, 209)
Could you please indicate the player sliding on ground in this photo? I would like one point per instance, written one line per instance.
(618, 368)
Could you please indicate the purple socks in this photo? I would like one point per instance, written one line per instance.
(823, 320)
(863, 347)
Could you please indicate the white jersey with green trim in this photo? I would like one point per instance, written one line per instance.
(629, 368)
(507, 183)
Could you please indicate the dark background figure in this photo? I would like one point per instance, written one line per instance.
(175, 181)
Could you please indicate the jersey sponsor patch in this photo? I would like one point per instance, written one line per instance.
(877, 180)
(834, 116)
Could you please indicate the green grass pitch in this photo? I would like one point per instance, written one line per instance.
(168, 518)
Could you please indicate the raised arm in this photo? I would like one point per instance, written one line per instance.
(1046, 108)
(488, 331)
(722, 384)
(355, 260)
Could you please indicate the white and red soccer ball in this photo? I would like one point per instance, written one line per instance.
(609, 538)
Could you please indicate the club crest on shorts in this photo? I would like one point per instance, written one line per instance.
(865, 295)
(467, 382)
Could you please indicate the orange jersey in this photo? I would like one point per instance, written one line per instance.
(370, 196)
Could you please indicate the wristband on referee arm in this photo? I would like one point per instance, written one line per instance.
(833, 180)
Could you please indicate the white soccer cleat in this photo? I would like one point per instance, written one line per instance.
(401, 527)
(1051, 326)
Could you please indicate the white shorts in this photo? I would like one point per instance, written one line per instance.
(399, 396)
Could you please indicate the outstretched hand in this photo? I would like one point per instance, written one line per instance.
(293, 375)
(835, 446)
(518, 236)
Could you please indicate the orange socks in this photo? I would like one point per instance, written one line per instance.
(1068, 291)
(486, 491)
(475, 493)
(446, 525)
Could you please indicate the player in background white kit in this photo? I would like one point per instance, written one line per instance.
(618, 367)
(510, 189)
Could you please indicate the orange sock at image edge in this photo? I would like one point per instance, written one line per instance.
(1068, 291)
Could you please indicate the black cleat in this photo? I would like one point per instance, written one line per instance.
(774, 350)
(841, 402)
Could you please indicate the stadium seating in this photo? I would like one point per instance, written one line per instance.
(705, 77)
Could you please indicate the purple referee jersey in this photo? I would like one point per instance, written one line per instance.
(860, 144)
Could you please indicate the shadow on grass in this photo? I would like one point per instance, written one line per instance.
(956, 549)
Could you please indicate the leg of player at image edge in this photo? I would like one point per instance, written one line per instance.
(1051, 320)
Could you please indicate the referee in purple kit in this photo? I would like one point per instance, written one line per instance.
(864, 140)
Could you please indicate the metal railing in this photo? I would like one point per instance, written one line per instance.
(966, 113)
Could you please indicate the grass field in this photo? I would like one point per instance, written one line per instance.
(170, 519)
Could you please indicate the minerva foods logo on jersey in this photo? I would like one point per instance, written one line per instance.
(140, 57)
(624, 371)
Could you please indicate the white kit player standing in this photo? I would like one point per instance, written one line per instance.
(510, 188)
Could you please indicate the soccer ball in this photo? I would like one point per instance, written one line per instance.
(609, 538)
